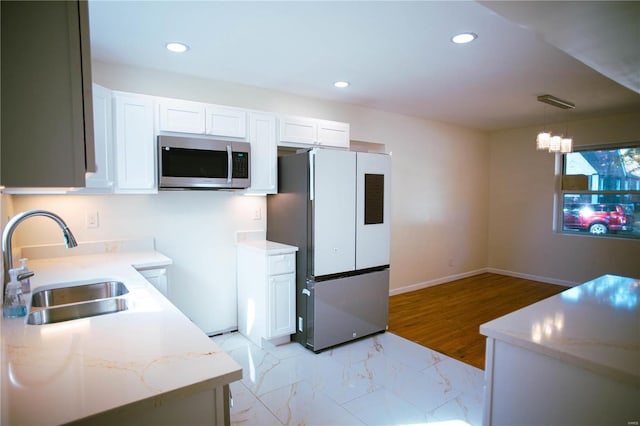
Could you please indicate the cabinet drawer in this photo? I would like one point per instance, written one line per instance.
(281, 264)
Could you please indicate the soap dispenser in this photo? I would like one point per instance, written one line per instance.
(14, 305)
(24, 272)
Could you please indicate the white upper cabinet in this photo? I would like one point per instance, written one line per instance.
(333, 133)
(225, 121)
(264, 153)
(175, 115)
(47, 127)
(134, 143)
(301, 131)
(181, 116)
(298, 130)
(103, 177)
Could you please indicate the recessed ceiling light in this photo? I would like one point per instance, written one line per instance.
(463, 38)
(177, 47)
(342, 84)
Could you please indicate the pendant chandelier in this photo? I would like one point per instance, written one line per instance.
(554, 143)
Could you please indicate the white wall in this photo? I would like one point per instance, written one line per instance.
(462, 201)
(440, 179)
(521, 236)
(439, 172)
(196, 229)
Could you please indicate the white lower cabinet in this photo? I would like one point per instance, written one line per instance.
(204, 406)
(157, 277)
(526, 386)
(266, 291)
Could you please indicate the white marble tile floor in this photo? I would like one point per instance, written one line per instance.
(380, 380)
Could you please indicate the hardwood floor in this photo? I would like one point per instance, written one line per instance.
(447, 317)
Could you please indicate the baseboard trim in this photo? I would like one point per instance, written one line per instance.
(431, 283)
(548, 280)
(449, 278)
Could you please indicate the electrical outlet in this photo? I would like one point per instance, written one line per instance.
(92, 220)
(257, 214)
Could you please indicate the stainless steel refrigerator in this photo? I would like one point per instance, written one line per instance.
(334, 206)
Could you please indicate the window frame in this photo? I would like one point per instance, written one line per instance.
(558, 219)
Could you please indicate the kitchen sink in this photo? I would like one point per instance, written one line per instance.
(76, 310)
(90, 291)
(77, 300)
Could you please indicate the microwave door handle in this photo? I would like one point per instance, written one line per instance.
(229, 164)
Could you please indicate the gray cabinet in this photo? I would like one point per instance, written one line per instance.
(47, 112)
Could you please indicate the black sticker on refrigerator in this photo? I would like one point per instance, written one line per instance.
(373, 199)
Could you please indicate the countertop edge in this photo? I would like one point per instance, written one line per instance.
(132, 261)
(612, 372)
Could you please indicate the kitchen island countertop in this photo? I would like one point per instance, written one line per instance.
(68, 371)
(595, 325)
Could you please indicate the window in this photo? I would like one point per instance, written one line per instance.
(600, 192)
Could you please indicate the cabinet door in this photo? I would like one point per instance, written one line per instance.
(181, 116)
(135, 145)
(333, 133)
(334, 211)
(281, 305)
(158, 278)
(223, 121)
(264, 153)
(298, 130)
(47, 116)
(103, 129)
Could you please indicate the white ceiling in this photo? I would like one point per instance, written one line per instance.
(397, 55)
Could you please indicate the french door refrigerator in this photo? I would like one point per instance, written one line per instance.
(334, 206)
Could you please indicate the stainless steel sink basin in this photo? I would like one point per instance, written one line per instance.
(77, 300)
(78, 293)
(76, 310)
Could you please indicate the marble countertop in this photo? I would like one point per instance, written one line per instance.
(595, 325)
(58, 373)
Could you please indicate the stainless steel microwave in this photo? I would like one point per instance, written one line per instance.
(200, 163)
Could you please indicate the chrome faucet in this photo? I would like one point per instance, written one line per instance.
(7, 255)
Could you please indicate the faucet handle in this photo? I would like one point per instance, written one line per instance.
(25, 275)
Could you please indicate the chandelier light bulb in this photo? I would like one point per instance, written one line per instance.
(566, 145)
(554, 144)
(543, 140)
